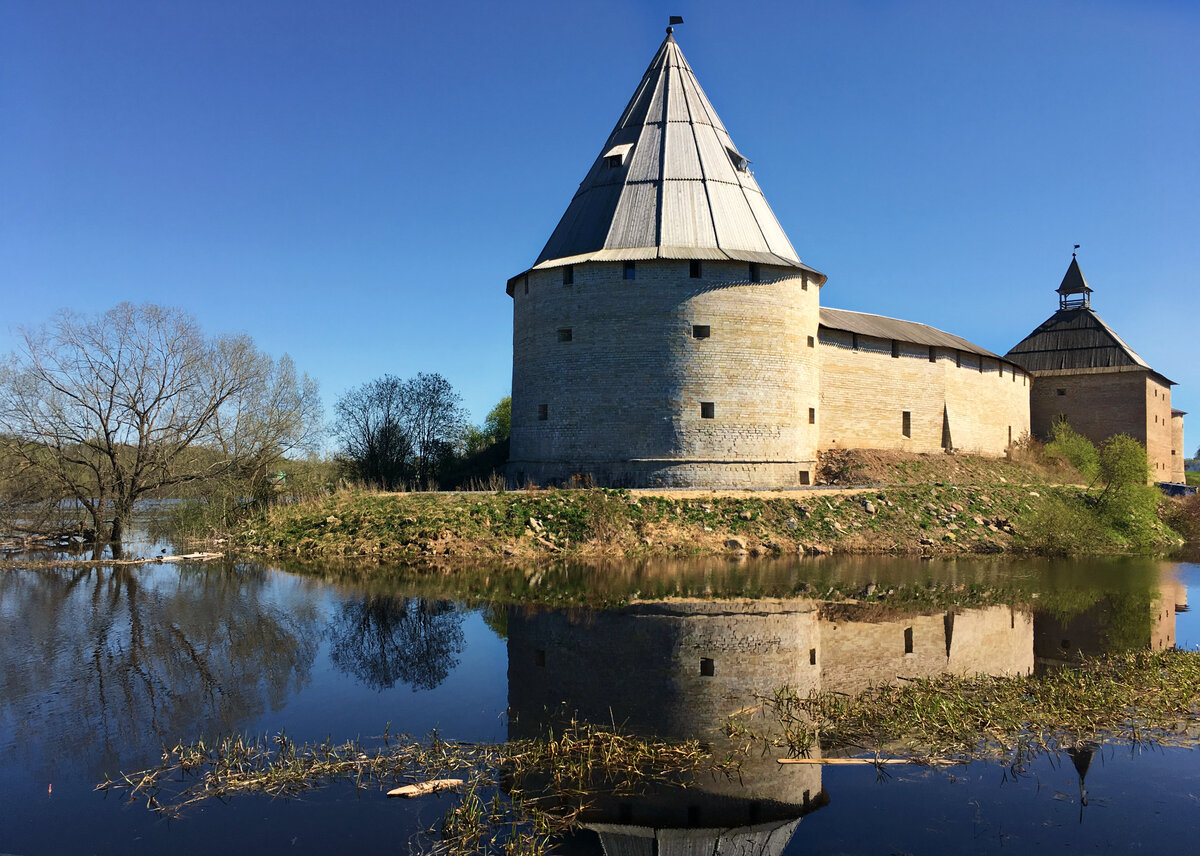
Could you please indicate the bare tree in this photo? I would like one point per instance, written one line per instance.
(370, 428)
(138, 401)
(435, 419)
(392, 431)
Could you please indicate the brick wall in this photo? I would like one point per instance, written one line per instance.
(1101, 404)
(978, 404)
(624, 398)
(1178, 456)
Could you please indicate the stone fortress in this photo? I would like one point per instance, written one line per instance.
(668, 335)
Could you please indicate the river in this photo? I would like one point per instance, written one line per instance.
(100, 668)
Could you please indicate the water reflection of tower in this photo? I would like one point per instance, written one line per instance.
(674, 670)
(1130, 620)
(679, 669)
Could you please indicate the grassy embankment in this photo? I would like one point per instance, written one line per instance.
(929, 505)
(1192, 478)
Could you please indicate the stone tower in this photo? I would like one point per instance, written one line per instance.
(666, 334)
(1086, 374)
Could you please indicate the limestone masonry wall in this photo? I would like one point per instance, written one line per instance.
(665, 379)
(957, 400)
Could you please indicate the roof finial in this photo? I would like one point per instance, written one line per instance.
(1073, 254)
(675, 19)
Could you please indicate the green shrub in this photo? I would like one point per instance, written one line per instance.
(1063, 525)
(1129, 504)
(1068, 444)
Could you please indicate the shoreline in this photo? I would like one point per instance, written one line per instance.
(521, 526)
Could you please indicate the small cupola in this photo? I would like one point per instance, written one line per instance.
(1074, 292)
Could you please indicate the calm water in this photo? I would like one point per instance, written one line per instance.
(100, 668)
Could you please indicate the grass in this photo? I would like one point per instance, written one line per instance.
(523, 525)
(1192, 478)
(1134, 696)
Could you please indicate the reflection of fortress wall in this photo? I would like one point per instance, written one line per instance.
(859, 653)
(1113, 624)
(676, 670)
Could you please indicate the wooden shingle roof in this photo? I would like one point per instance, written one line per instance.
(1076, 341)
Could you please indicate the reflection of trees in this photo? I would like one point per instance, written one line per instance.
(381, 640)
(102, 665)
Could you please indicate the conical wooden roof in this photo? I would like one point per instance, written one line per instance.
(669, 182)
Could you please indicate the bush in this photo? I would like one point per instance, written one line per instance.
(1068, 444)
(1063, 525)
(1183, 515)
(1128, 502)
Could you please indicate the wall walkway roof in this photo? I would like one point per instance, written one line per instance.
(882, 327)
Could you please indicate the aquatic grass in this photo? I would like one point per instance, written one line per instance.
(515, 796)
(1138, 696)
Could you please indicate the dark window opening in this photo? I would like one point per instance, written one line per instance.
(564, 334)
(933, 355)
(539, 658)
(614, 161)
(958, 359)
(908, 640)
(755, 274)
(694, 269)
(895, 349)
(708, 410)
(543, 412)
(631, 270)
(1060, 392)
(701, 331)
(812, 416)
(854, 341)
(805, 477)
(812, 656)
(707, 668)
(569, 275)
(906, 423)
(812, 341)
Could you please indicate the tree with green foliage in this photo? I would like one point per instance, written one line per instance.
(138, 402)
(1068, 444)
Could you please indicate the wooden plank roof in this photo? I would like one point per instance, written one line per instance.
(669, 182)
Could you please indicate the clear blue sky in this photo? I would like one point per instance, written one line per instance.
(354, 182)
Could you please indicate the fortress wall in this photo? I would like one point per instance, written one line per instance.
(866, 391)
(623, 397)
(1101, 404)
(1178, 456)
(858, 654)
